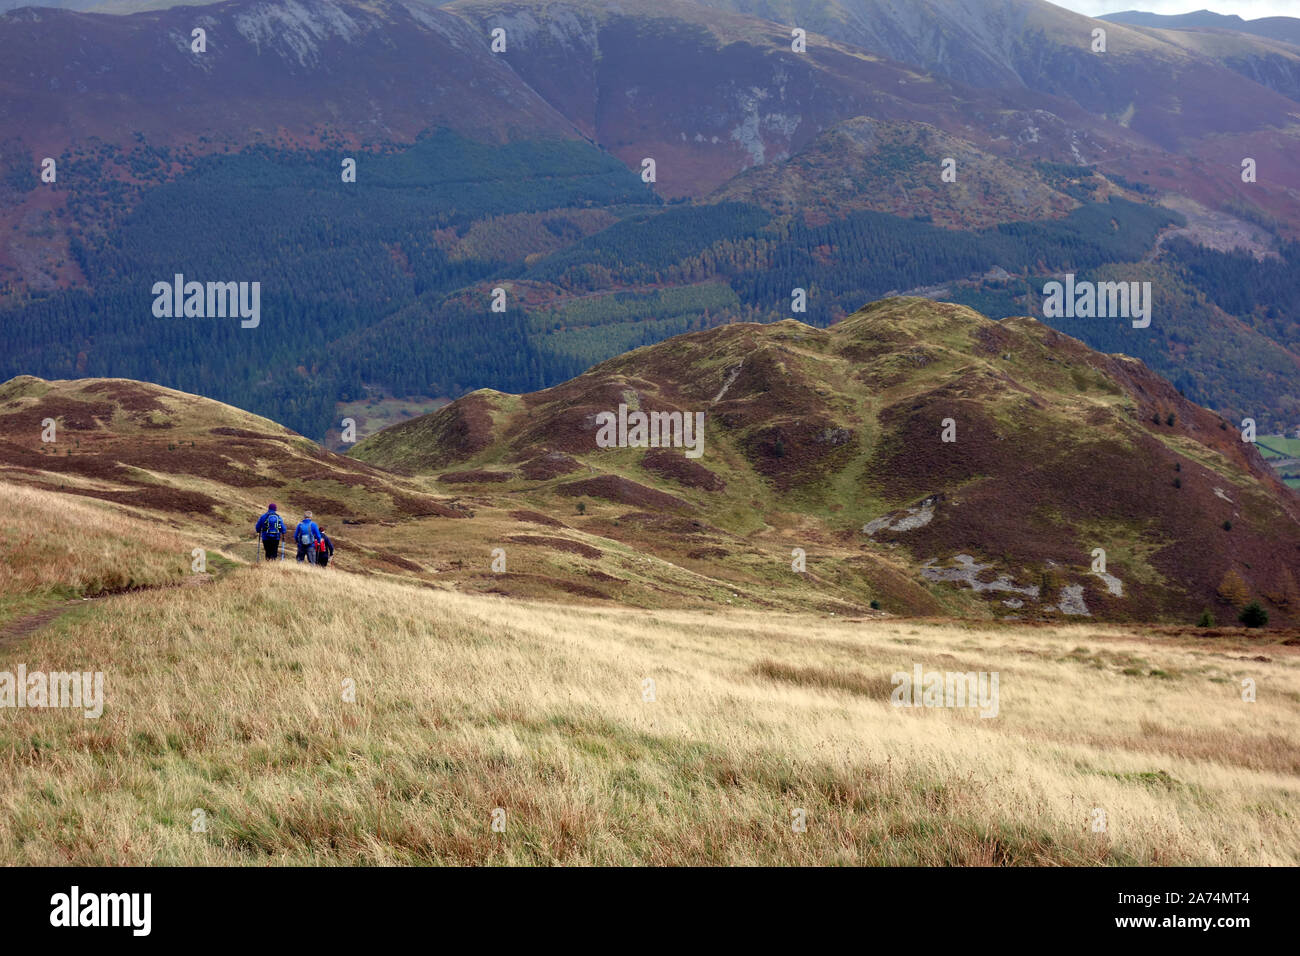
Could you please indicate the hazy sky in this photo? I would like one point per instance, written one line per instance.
(1247, 9)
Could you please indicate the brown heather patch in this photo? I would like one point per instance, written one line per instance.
(69, 413)
(527, 585)
(600, 391)
(576, 588)
(566, 428)
(536, 517)
(558, 544)
(244, 433)
(364, 481)
(86, 465)
(155, 498)
(995, 339)
(290, 466)
(213, 464)
(767, 385)
(321, 508)
(395, 560)
(1099, 416)
(675, 466)
(622, 490)
(799, 452)
(701, 554)
(479, 476)
(666, 524)
(551, 465)
(419, 506)
(912, 462)
(129, 396)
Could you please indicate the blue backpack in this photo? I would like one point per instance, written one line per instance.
(274, 527)
(303, 533)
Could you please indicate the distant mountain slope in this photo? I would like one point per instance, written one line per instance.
(520, 171)
(1266, 52)
(832, 441)
(123, 7)
(1285, 29)
(1038, 46)
(6, 5)
(708, 93)
(1174, 110)
(309, 68)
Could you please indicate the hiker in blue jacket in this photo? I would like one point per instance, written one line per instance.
(271, 527)
(306, 534)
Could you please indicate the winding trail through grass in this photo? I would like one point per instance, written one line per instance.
(25, 625)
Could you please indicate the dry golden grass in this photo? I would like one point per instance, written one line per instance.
(67, 546)
(228, 699)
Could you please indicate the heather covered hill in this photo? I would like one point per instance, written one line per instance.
(187, 463)
(142, 444)
(814, 477)
(834, 438)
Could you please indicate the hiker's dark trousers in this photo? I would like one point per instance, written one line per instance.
(307, 552)
(323, 558)
(272, 548)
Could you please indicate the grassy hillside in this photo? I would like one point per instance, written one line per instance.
(204, 470)
(53, 547)
(228, 699)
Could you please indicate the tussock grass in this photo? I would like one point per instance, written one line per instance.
(60, 545)
(228, 698)
(877, 687)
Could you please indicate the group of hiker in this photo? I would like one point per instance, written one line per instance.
(314, 545)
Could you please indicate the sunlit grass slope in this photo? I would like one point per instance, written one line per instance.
(55, 546)
(230, 699)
